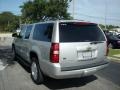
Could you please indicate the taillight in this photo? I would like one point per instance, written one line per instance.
(107, 48)
(54, 53)
(118, 42)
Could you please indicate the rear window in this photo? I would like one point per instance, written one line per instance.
(77, 32)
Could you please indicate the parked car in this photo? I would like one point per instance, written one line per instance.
(113, 41)
(118, 36)
(61, 49)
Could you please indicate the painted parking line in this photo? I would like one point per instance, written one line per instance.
(2, 66)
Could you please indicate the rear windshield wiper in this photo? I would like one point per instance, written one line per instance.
(96, 42)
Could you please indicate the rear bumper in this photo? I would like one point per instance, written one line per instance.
(57, 73)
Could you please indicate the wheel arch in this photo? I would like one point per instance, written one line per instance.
(33, 54)
(13, 46)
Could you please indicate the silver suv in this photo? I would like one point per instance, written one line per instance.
(61, 49)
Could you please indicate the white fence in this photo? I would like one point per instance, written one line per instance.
(6, 39)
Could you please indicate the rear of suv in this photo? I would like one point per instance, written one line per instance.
(61, 49)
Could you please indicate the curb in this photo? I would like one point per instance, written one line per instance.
(114, 59)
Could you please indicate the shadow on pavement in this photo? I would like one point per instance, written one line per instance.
(6, 55)
(26, 68)
(68, 83)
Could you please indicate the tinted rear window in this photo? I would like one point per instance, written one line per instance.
(76, 32)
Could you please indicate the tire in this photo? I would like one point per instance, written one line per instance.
(36, 73)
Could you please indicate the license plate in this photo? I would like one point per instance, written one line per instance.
(87, 54)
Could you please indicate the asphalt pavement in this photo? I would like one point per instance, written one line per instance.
(15, 76)
(111, 73)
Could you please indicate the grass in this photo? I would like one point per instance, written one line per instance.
(113, 52)
(5, 32)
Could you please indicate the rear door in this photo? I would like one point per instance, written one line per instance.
(19, 41)
(81, 45)
(26, 43)
(42, 39)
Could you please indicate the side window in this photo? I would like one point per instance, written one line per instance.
(22, 32)
(48, 31)
(28, 31)
(43, 32)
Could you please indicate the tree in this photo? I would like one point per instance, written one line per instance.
(8, 22)
(109, 27)
(41, 10)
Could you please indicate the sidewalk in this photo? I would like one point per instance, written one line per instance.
(6, 39)
(5, 34)
(115, 57)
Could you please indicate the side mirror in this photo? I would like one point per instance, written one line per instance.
(14, 35)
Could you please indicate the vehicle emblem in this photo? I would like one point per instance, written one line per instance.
(89, 48)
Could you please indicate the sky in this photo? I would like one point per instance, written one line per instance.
(11, 5)
(98, 11)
